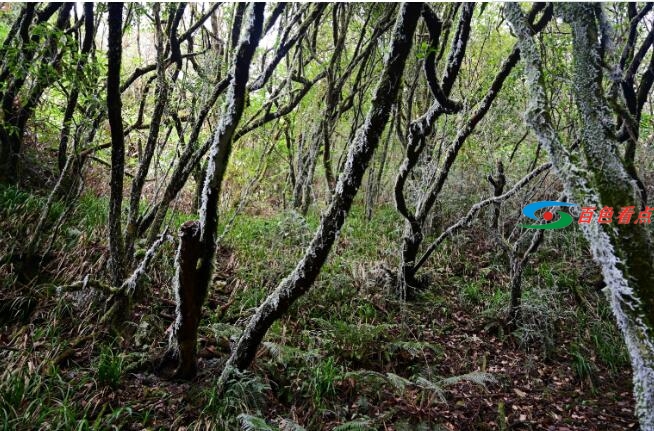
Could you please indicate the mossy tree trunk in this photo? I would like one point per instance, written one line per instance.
(624, 251)
(114, 108)
(198, 239)
(179, 361)
(360, 152)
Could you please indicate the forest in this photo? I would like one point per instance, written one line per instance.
(326, 216)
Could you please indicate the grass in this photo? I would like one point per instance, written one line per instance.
(323, 379)
(109, 368)
(347, 325)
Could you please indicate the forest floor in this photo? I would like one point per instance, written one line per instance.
(348, 356)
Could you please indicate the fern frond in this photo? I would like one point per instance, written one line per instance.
(476, 377)
(399, 382)
(283, 353)
(428, 385)
(225, 330)
(356, 425)
(414, 348)
(289, 425)
(254, 423)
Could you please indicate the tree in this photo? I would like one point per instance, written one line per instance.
(114, 107)
(624, 253)
(420, 129)
(197, 248)
(361, 149)
(18, 108)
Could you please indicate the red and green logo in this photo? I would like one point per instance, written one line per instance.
(586, 215)
(564, 220)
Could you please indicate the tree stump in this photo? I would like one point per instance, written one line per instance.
(180, 360)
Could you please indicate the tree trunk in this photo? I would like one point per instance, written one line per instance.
(114, 107)
(181, 353)
(361, 150)
(162, 96)
(198, 247)
(498, 182)
(87, 45)
(516, 291)
(625, 254)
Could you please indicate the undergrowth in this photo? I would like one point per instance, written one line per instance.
(349, 355)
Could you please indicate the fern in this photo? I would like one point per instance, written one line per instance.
(289, 425)
(371, 377)
(284, 354)
(225, 330)
(437, 388)
(399, 382)
(254, 423)
(476, 377)
(245, 392)
(414, 348)
(356, 425)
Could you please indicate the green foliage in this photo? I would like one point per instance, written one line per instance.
(92, 212)
(36, 399)
(323, 376)
(608, 345)
(244, 394)
(348, 343)
(254, 423)
(541, 310)
(581, 365)
(424, 49)
(355, 425)
(109, 368)
(433, 390)
(472, 292)
(15, 202)
(354, 341)
(415, 349)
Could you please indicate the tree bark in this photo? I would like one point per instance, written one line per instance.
(87, 45)
(161, 102)
(114, 107)
(361, 150)
(625, 254)
(197, 251)
(180, 359)
(498, 182)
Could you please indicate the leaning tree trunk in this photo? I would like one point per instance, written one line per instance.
(624, 252)
(361, 150)
(198, 239)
